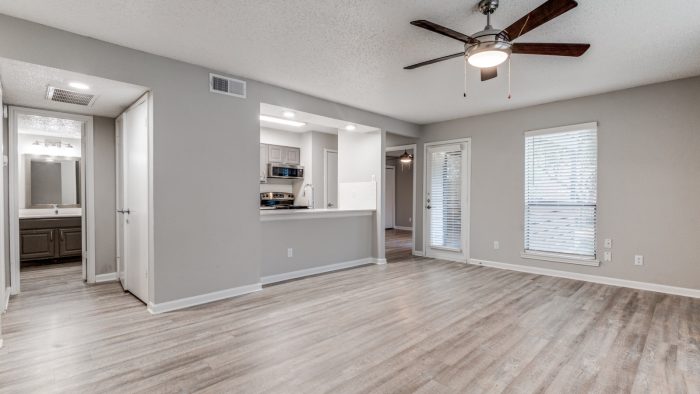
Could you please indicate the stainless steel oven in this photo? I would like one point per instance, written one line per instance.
(285, 171)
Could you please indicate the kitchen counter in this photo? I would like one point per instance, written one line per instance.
(293, 214)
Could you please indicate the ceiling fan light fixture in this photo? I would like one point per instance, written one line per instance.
(488, 54)
(406, 157)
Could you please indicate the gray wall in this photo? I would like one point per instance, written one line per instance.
(404, 192)
(105, 195)
(207, 234)
(648, 182)
(316, 242)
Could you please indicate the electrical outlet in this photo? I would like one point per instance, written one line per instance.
(410, 220)
(608, 243)
(290, 252)
(496, 245)
(638, 259)
(607, 256)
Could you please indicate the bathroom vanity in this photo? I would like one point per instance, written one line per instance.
(49, 239)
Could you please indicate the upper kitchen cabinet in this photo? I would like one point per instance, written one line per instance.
(291, 155)
(283, 154)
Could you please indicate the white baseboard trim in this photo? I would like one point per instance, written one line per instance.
(202, 299)
(266, 280)
(110, 277)
(418, 253)
(379, 261)
(403, 228)
(681, 291)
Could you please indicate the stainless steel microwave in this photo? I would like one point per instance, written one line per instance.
(285, 171)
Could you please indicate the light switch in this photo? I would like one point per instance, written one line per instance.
(608, 243)
(496, 245)
(290, 252)
(607, 256)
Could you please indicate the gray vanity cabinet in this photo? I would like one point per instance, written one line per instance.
(50, 238)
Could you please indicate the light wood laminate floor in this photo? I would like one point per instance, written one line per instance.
(416, 325)
(398, 244)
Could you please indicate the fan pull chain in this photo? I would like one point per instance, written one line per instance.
(509, 91)
(465, 78)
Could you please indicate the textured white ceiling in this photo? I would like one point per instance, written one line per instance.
(353, 52)
(24, 84)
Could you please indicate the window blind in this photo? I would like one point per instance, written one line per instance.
(445, 198)
(561, 192)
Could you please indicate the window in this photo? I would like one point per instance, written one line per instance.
(561, 193)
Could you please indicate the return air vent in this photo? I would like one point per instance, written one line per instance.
(229, 86)
(69, 97)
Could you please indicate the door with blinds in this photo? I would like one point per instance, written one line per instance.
(446, 201)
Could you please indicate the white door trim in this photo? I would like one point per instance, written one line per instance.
(413, 211)
(466, 225)
(88, 191)
(393, 207)
(325, 176)
(3, 302)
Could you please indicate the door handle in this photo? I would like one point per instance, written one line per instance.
(330, 205)
(126, 211)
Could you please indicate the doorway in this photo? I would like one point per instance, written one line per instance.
(399, 203)
(51, 192)
(133, 198)
(446, 200)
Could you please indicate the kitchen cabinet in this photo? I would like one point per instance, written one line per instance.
(263, 162)
(50, 238)
(274, 154)
(283, 154)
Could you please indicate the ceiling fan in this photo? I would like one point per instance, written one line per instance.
(490, 47)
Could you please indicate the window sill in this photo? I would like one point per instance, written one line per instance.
(557, 258)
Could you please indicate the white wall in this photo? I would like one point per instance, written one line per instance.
(280, 137)
(648, 179)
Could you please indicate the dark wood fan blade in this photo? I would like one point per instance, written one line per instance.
(434, 27)
(425, 63)
(539, 16)
(488, 73)
(575, 50)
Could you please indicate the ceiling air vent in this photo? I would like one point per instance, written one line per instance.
(225, 85)
(70, 97)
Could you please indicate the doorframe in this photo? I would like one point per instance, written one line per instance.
(393, 207)
(326, 151)
(466, 225)
(87, 205)
(413, 208)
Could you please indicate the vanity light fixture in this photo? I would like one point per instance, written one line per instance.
(79, 86)
(285, 122)
(350, 127)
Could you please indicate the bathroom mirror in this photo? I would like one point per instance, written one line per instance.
(52, 181)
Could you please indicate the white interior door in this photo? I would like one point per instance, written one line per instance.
(119, 132)
(134, 211)
(390, 197)
(446, 202)
(331, 179)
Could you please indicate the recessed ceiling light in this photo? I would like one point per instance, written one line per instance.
(350, 127)
(286, 122)
(79, 85)
(288, 114)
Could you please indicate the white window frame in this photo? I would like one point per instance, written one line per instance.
(552, 256)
